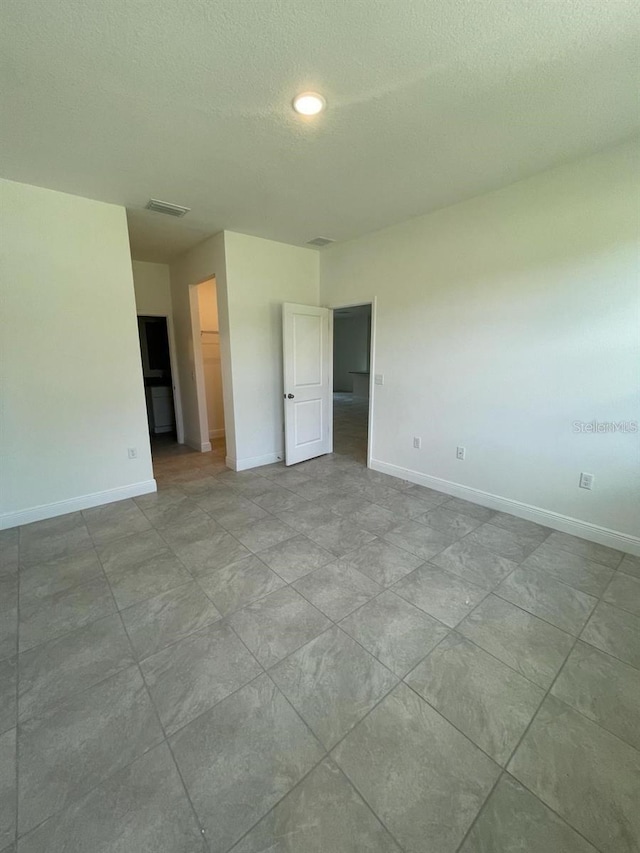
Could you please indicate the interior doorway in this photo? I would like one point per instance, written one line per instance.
(352, 380)
(207, 364)
(158, 380)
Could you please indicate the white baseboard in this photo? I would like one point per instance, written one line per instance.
(584, 529)
(253, 461)
(216, 433)
(201, 447)
(38, 513)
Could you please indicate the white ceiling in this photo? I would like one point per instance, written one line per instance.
(429, 102)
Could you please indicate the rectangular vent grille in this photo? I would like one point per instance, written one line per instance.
(166, 207)
(320, 241)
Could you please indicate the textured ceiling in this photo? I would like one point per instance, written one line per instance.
(429, 102)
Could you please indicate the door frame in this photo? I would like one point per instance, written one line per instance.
(175, 377)
(371, 300)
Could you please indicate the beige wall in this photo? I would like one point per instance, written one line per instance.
(501, 321)
(72, 399)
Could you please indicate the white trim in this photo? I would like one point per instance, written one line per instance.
(195, 444)
(38, 513)
(565, 523)
(253, 461)
(216, 433)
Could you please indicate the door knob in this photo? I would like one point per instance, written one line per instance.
(290, 396)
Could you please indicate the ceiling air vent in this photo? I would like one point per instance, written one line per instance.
(166, 207)
(320, 241)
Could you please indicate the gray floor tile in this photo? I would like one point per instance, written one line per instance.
(91, 735)
(307, 516)
(277, 499)
(513, 546)
(555, 602)
(624, 592)
(182, 537)
(425, 542)
(8, 693)
(189, 677)
(522, 641)
(140, 808)
(340, 536)
(241, 757)
(58, 575)
(277, 625)
(313, 490)
(244, 514)
(294, 558)
(240, 583)
(324, 814)
(147, 579)
(584, 773)
(514, 821)
(615, 631)
(131, 550)
(578, 572)
(482, 697)
(44, 619)
(337, 589)
(163, 498)
(218, 550)
(408, 505)
(8, 632)
(7, 787)
(630, 565)
(394, 631)
(175, 513)
(113, 521)
(475, 563)
(263, 534)
(423, 778)
(604, 689)
(168, 617)
(53, 538)
(9, 540)
(482, 513)
(456, 524)
(332, 682)
(584, 548)
(383, 563)
(54, 670)
(8, 588)
(440, 593)
(376, 519)
(519, 525)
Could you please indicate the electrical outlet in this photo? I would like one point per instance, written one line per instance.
(461, 452)
(132, 452)
(378, 378)
(586, 481)
(417, 442)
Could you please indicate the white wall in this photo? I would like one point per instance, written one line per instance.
(152, 286)
(203, 262)
(351, 346)
(72, 398)
(210, 345)
(501, 321)
(261, 275)
(253, 278)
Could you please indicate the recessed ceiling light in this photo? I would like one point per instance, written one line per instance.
(309, 103)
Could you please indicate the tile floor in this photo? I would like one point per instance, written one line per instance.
(314, 660)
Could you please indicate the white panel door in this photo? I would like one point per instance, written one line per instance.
(308, 395)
